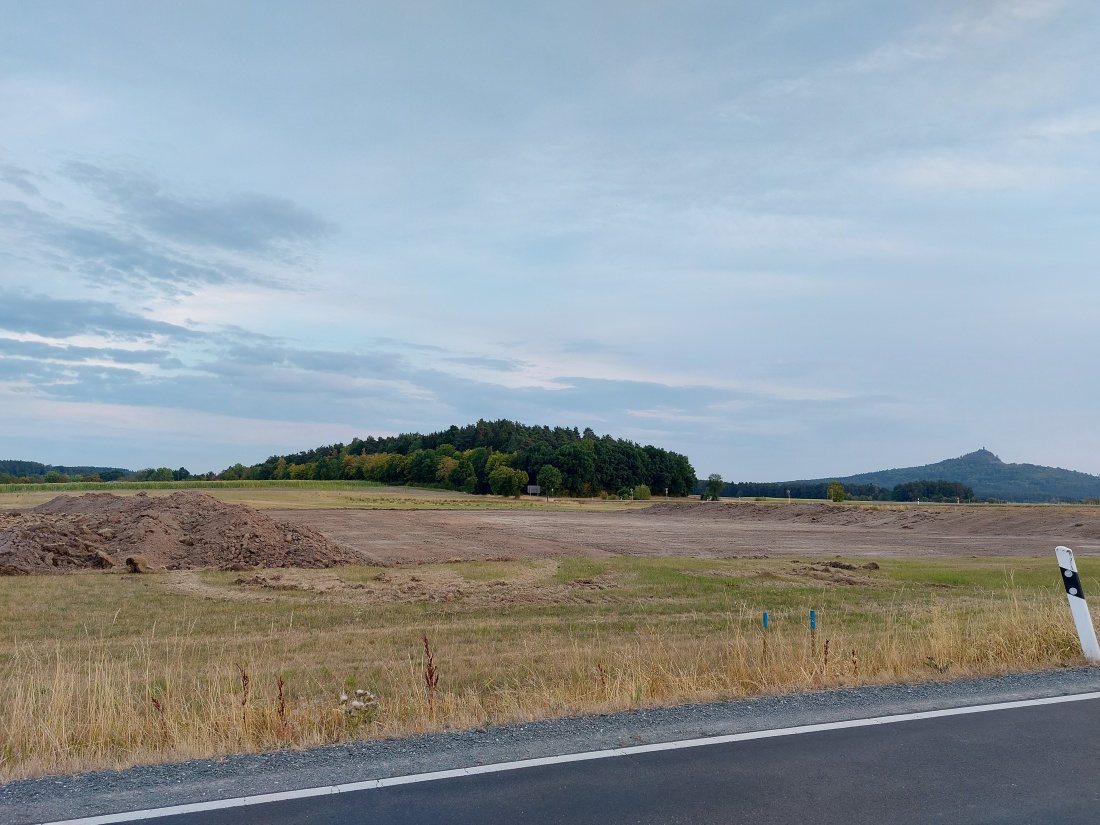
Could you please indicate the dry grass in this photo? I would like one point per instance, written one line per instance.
(104, 670)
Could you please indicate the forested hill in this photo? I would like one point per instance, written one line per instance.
(466, 458)
(991, 478)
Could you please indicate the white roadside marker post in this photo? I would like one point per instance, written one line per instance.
(1076, 595)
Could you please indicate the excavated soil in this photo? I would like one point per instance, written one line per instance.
(188, 530)
(143, 533)
(700, 529)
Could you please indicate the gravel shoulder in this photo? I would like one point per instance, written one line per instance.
(66, 797)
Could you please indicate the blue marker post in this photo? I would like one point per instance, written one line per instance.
(813, 634)
(765, 635)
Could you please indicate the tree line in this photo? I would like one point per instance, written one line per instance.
(33, 472)
(500, 457)
(932, 491)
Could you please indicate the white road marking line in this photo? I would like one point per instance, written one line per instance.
(371, 784)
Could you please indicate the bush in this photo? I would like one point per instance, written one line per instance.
(642, 493)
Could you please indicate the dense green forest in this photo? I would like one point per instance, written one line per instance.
(32, 472)
(932, 491)
(500, 457)
(920, 490)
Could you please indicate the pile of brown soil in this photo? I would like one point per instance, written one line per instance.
(141, 533)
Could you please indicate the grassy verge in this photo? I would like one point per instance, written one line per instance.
(103, 670)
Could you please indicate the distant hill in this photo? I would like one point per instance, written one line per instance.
(990, 477)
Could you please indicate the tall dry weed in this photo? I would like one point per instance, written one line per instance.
(85, 706)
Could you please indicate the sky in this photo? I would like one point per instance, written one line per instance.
(789, 239)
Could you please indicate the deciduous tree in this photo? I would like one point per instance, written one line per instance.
(505, 481)
(549, 479)
(713, 490)
(836, 491)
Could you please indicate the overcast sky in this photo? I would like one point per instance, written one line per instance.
(788, 239)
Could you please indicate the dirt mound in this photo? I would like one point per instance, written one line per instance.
(141, 533)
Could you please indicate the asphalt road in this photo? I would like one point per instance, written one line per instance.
(1025, 765)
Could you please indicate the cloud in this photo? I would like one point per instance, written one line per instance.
(716, 240)
(496, 364)
(38, 350)
(143, 235)
(961, 34)
(588, 346)
(44, 379)
(400, 344)
(53, 430)
(19, 178)
(106, 256)
(232, 377)
(780, 233)
(63, 318)
(671, 414)
(280, 355)
(34, 108)
(1084, 123)
(951, 171)
(241, 223)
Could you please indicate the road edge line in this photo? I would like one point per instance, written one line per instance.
(584, 756)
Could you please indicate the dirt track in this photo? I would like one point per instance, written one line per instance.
(707, 530)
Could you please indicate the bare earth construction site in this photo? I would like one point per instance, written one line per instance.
(274, 617)
(705, 530)
(191, 530)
